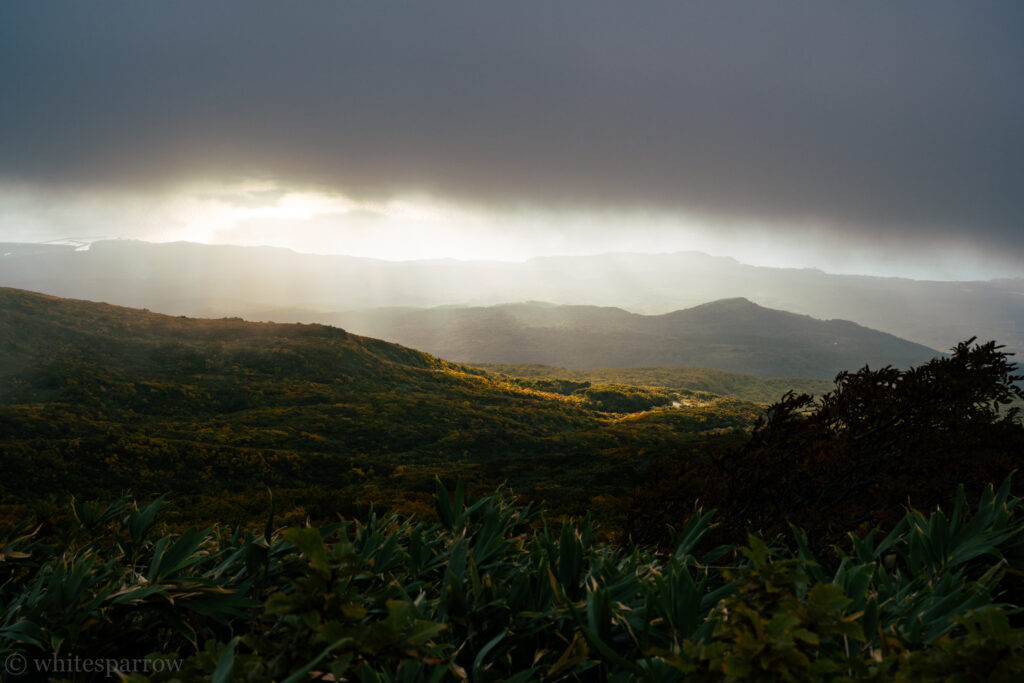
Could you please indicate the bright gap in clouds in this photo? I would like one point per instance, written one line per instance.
(266, 213)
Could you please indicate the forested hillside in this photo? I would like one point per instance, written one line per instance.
(97, 399)
(854, 457)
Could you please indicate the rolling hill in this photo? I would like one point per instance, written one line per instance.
(97, 399)
(733, 334)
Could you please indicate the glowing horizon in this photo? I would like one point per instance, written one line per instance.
(419, 227)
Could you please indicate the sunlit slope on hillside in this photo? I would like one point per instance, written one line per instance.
(720, 382)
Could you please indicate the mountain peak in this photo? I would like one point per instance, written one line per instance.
(733, 334)
(736, 301)
(736, 304)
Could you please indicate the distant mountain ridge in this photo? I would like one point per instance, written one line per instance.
(262, 283)
(732, 334)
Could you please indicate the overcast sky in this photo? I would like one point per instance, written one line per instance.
(883, 137)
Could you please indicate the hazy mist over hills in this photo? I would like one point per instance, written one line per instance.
(284, 286)
(731, 334)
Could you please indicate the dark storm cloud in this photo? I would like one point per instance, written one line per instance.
(902, 118)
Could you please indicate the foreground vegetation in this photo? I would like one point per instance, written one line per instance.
(490, 593)
(894, 576)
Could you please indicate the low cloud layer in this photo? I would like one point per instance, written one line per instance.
(900, 123)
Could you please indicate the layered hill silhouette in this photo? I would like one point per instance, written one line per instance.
(260, 283)
(733, 334)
